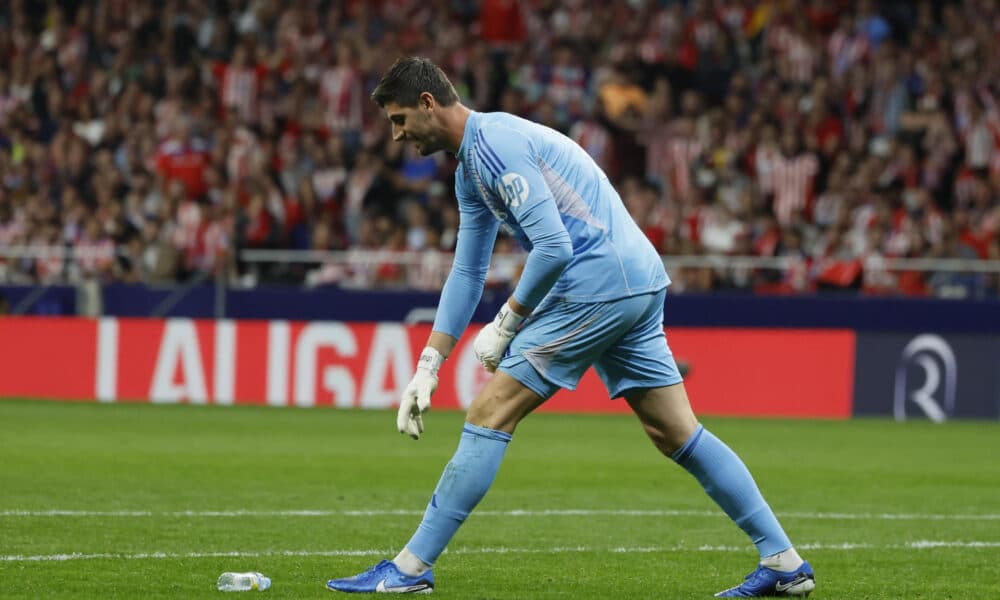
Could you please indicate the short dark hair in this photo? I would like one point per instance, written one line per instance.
(408, 78)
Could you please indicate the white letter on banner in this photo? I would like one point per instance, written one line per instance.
(225, 361)
(277, 363)
(390, 349)
(107, 360)
(336, 379)
(179, 344)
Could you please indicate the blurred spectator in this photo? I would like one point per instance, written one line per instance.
(181, 158)
(342, 94)
(793, 171)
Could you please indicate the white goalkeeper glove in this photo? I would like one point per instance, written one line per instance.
(416, 398)
(492, 340)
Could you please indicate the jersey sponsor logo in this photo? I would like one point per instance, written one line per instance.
(513, 189)
(935, 397)
(497, 210)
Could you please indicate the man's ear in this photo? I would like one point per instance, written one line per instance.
(427, 101)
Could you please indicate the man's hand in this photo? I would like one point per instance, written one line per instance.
(416, 398)
(492, 341)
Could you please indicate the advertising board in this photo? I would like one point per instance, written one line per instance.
(756, 372)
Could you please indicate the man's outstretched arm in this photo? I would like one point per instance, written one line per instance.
(477, 232)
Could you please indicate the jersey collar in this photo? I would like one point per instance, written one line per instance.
(471, 127)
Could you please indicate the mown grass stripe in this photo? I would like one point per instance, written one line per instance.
(571, 512)
(915, 545)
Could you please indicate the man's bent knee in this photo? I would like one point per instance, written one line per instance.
(502, 403)
(668, 439)
(665, 414)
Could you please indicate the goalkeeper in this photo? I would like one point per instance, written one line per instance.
(591, 293)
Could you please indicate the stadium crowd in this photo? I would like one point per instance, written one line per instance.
(156, 138)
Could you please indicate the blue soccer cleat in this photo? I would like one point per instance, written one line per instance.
(384, 578)
(768, 582)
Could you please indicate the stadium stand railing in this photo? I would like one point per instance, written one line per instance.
(349, 258)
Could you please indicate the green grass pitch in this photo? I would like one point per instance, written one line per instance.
(159, 500)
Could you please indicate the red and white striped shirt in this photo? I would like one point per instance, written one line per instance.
(244, 151)
(239, 89)
(341, 94)
(681, 152)
(792, 179)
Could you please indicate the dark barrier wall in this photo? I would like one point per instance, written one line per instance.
(927, 375)
(42, 301)
(277, 302)
(715, 310)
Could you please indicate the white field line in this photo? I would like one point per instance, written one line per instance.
(825, 516)
(916, 545)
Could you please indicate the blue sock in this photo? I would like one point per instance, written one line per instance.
(462, 485)
(728, 482)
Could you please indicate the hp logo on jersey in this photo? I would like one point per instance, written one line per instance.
(513, 189)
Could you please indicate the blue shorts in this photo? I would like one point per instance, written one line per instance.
(623, 339)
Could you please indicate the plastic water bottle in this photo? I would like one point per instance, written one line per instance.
(243, 582)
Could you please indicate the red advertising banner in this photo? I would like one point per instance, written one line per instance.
(47, 357)
(776, 372)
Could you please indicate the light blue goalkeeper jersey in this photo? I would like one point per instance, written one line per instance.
(548, 193)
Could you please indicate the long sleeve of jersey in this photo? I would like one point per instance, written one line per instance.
(477, 233)
(510, 158)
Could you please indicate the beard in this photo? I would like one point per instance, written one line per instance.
(427, 145)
